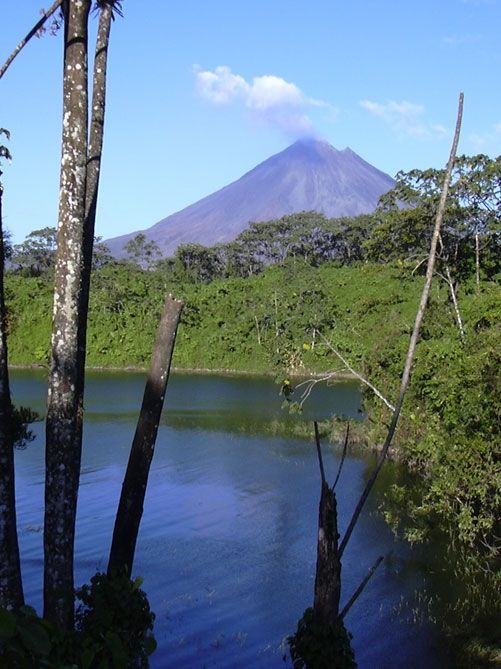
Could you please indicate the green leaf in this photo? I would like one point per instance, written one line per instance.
(7, 624)
(150, 645)
(35, 638)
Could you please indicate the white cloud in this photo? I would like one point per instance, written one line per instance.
(405, 118)
(480, 2)
(220, 86)
(270, 92)
(269, 98)
(487, 142)
(460, 40)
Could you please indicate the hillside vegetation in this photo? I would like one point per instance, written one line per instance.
(285, 295)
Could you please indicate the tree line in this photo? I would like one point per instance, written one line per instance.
(398, 229)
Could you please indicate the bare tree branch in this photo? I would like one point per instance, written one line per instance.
(361, 587)
(355, 373)
(448, 280)
(319, 452)
(309, 384)
(415, 333)
(345, 447)
(32, 32)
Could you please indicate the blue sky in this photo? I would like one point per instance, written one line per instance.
(201, 92)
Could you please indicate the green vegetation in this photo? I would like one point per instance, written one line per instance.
(316, 646)
(286, 293)
(113, 629)
(255, 324)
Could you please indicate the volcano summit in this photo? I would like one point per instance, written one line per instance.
(309, 175)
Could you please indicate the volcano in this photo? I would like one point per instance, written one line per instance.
(309, 175)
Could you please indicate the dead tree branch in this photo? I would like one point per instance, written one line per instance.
(355, 373)
(415, 333)
(343, 456)
(328, 567)
(309, 384)
(448, 280)
(32, 32)
(319, 452)
(361, 587)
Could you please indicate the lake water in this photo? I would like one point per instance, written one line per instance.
(228, 537)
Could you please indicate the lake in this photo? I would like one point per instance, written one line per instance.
(228, 537)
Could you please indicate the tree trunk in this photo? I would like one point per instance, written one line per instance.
(404, 381)
(93, 172)
(130, 509)
(11, 589)
(328, 570)
(455, 303)
(64, 411)
(477, 262)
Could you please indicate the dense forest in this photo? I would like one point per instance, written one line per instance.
(308, 295)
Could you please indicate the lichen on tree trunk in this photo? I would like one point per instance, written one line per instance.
(64, 411)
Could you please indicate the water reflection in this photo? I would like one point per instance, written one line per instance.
(227, 542)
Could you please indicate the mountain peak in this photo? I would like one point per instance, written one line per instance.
(309, 175)
(313, 144)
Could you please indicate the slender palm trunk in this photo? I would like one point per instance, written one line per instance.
(95, 149)
(64, 411)
(477, 263)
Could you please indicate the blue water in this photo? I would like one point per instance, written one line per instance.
(228, 537)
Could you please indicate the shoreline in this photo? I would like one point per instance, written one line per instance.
(206, 371)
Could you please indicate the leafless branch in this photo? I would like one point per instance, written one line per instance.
(361, 587)
(309, 384)
(345, 447)
(32, 32)
(319, 452)
(448, 280)
(355, 373)
(415, 333)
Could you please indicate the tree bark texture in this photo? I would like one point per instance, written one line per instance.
(95, 148)
(130, 509)
(328, 570)
(11, 589)
(64, 411)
